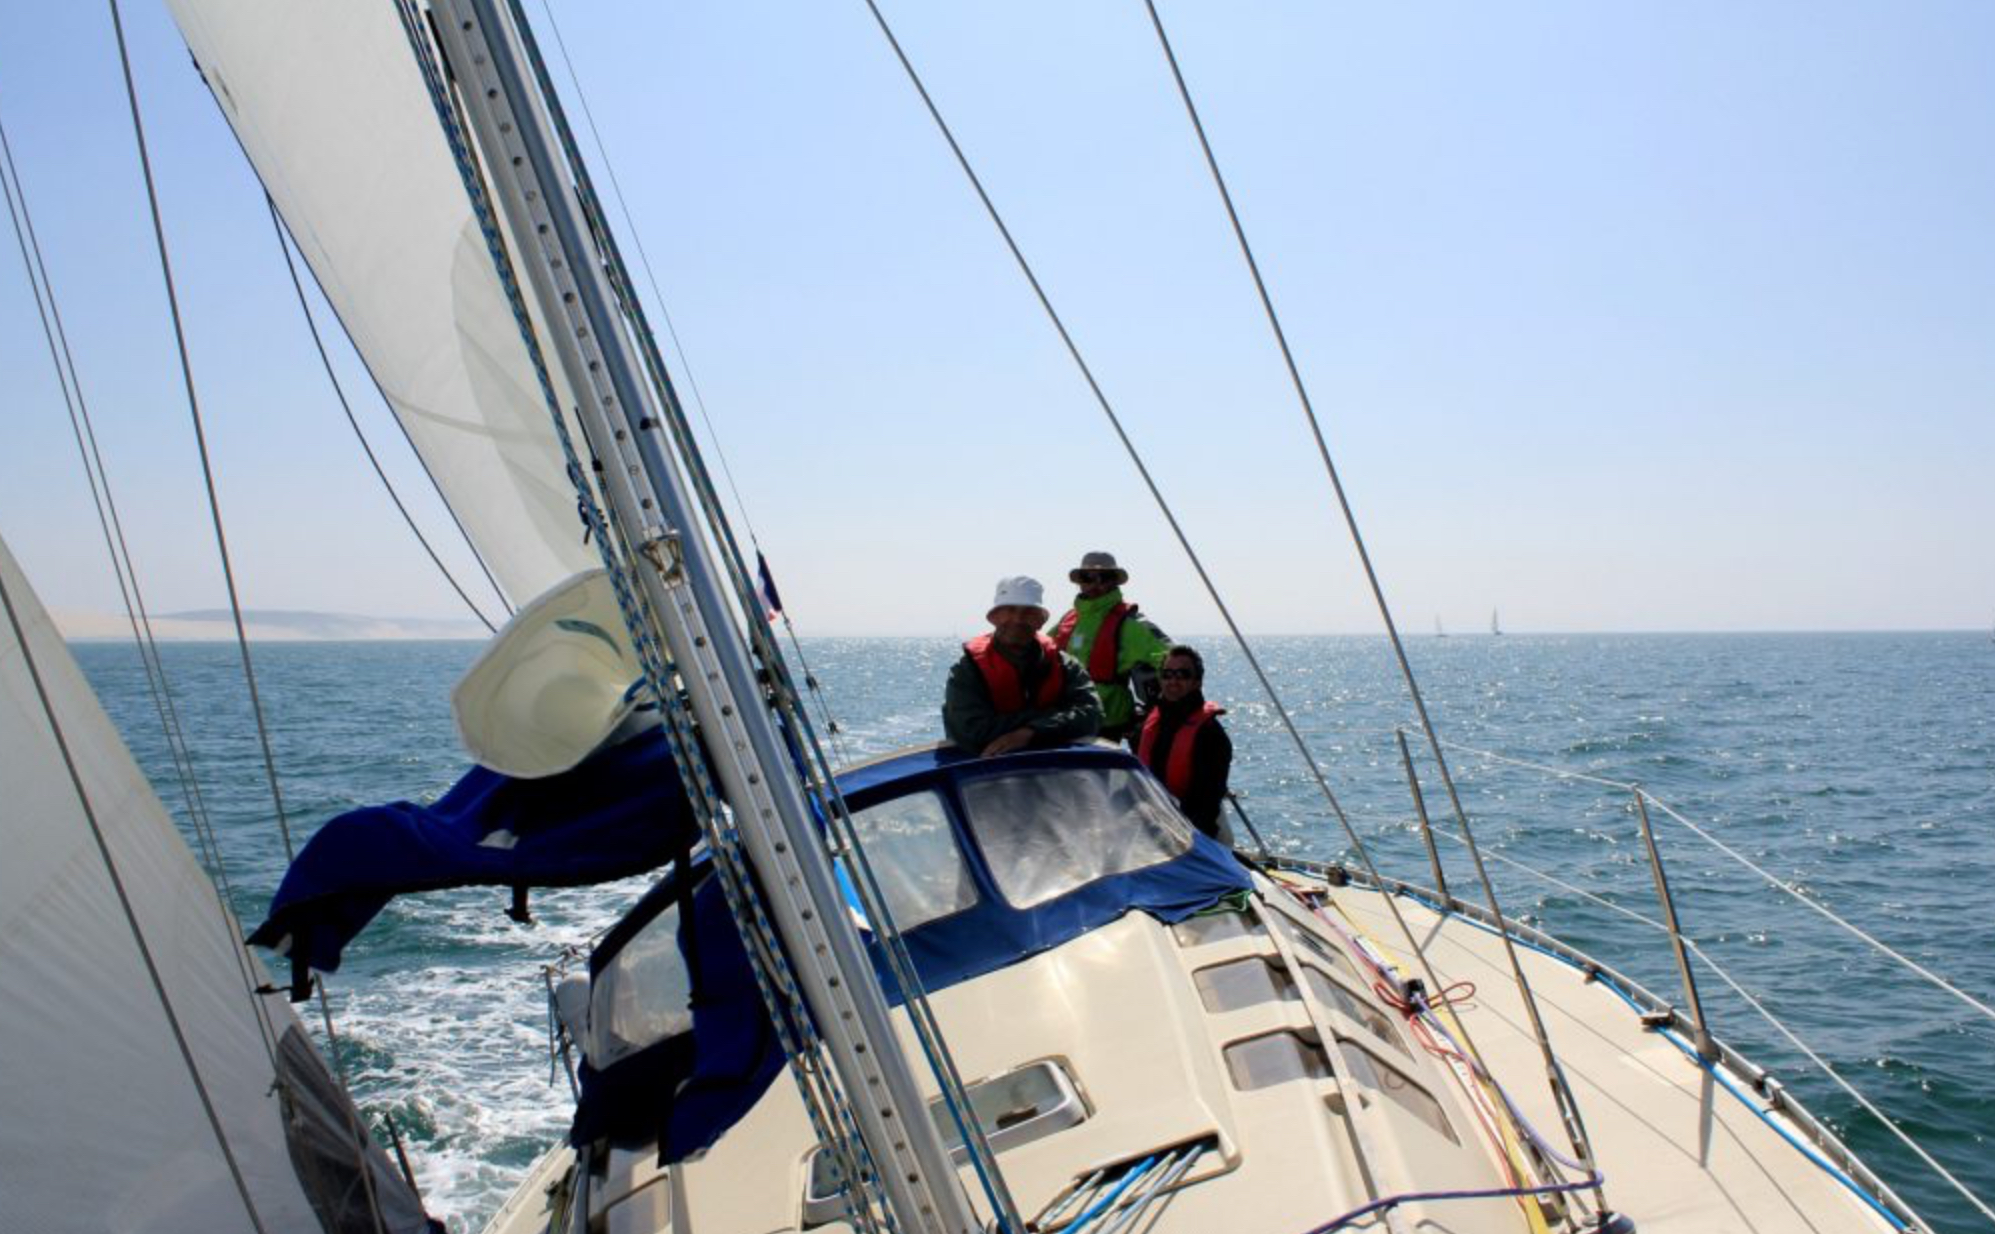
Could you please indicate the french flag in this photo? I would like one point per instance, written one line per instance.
(772, 604)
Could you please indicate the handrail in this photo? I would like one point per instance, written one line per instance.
(1704, 1044)
(1929, 976)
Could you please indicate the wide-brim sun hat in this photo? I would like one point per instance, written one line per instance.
(552, 684)
(1018, 591)
(1098, 561)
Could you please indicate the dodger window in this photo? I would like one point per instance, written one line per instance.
(1046, 833)
(914, 855)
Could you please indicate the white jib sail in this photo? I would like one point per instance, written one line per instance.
(329, 106)
(103, 1123)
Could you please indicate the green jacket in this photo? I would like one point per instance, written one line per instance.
(1141, 654)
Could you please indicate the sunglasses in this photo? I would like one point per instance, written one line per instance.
(1177, 674)
(1094, 576)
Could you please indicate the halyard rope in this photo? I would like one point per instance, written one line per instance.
(339, 392)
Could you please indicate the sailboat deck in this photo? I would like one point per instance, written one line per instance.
(1682, 1153)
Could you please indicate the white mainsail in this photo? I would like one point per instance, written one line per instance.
(108, 1123)
(332, 111)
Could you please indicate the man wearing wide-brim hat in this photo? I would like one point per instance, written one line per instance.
(1013, 689)
(1121, 648)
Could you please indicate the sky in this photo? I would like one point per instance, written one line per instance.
(1628, 318)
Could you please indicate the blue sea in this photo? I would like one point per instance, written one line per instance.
(1859, 767)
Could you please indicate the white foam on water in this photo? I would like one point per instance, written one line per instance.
(448, 1035)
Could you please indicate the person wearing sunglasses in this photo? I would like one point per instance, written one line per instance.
(1183, 744)
(1013, 689)
(1120, 646)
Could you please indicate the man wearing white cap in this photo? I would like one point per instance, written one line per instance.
(1013, 689)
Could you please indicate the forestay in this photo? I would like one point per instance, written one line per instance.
(331, 109)
(107, 1125)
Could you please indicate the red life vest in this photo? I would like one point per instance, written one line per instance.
(1107, 641)
(1001, 679)
(1177, 765)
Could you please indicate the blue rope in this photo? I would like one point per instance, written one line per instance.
(1498, 1193)
(1115, 1193)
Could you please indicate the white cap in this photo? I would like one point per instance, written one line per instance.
(1018, 590)
(552, 684)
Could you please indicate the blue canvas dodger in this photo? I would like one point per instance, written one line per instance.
(620, 812)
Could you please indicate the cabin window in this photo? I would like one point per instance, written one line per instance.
(1242, 983)
(914, 855)
(1336, 998)
(1047, 833)
(642, 996)
(1374, 1073)
(1262, 1062)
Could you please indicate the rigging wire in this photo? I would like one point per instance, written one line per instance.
(798, 732)
(831, 725)
(125, 905)
(158, 686)
(1718, 968)
(207, 472)
(312, 325)
(1135, 457)
(1882, 1118)
(200, 436)
(1772, 879)
(824, 1104)
(1567, 1101)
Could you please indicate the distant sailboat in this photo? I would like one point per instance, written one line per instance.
(1438, 631)
(1495, 627)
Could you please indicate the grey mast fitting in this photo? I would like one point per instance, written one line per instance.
(648, 495)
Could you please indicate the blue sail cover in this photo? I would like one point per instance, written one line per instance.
(620, 812)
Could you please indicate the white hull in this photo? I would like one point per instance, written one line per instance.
(1684, 1151)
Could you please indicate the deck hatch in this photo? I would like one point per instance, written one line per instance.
(1197, 931)
(1376, 1074)
(1335, 997)
(1243, 983)
(1018, 1107)
(1275, 1058)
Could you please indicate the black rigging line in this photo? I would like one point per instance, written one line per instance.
(200, 435)
(831, 725)
(311, 324)
(123, 568)
(1567, 1103)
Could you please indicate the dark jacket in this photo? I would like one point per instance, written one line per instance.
(970, 721)
(1211, 761)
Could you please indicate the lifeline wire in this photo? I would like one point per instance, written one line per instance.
(1101, 399)
(1567, 1101)
(200, 436)
(304, 307)
(1773, 879)
(1845, 1085)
